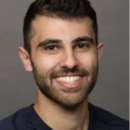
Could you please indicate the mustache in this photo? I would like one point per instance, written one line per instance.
(66, 70)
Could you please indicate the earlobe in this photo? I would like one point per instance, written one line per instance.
(25, 58)
(100, 50)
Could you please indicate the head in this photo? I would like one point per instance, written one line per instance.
(61, 49)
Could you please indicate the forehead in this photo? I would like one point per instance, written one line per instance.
(65, 30)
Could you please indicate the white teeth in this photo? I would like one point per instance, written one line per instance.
(70, 79)
(77, 78)
(63, 79)
(67, 79)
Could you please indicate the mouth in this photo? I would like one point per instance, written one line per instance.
(69, 82)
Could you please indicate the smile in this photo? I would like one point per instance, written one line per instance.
(69, 81)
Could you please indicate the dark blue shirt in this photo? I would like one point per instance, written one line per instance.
(27, 119)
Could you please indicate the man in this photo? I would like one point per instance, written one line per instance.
(61, 49)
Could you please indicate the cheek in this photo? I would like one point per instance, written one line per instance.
(46, 63)
(88, 60)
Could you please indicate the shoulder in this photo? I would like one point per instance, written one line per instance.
(6, 124)
(17, 121)
(109, 121)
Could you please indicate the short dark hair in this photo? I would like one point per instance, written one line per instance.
(65, 9)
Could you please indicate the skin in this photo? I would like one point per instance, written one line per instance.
(69, 109)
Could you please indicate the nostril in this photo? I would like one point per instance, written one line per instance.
(67, 70)
(69, 59)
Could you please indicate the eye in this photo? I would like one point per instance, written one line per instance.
(81, 45)
(51, 47)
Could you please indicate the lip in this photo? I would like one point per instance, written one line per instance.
(68, 75)
(69, 85)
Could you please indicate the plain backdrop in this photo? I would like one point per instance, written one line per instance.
(18, 88)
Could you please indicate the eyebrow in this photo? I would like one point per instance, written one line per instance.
(84, 38)
(48, 41)
(57, 41)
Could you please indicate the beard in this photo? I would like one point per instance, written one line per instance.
(71, 98)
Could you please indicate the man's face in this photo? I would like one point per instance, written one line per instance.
(64, 59)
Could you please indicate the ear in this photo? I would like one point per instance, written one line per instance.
(25, 59)
(100, 50)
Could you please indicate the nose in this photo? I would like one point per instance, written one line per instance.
(69, 59)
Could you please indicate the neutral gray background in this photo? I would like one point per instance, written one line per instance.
(17, 87)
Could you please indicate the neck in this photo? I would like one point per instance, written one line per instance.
(60, 118)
